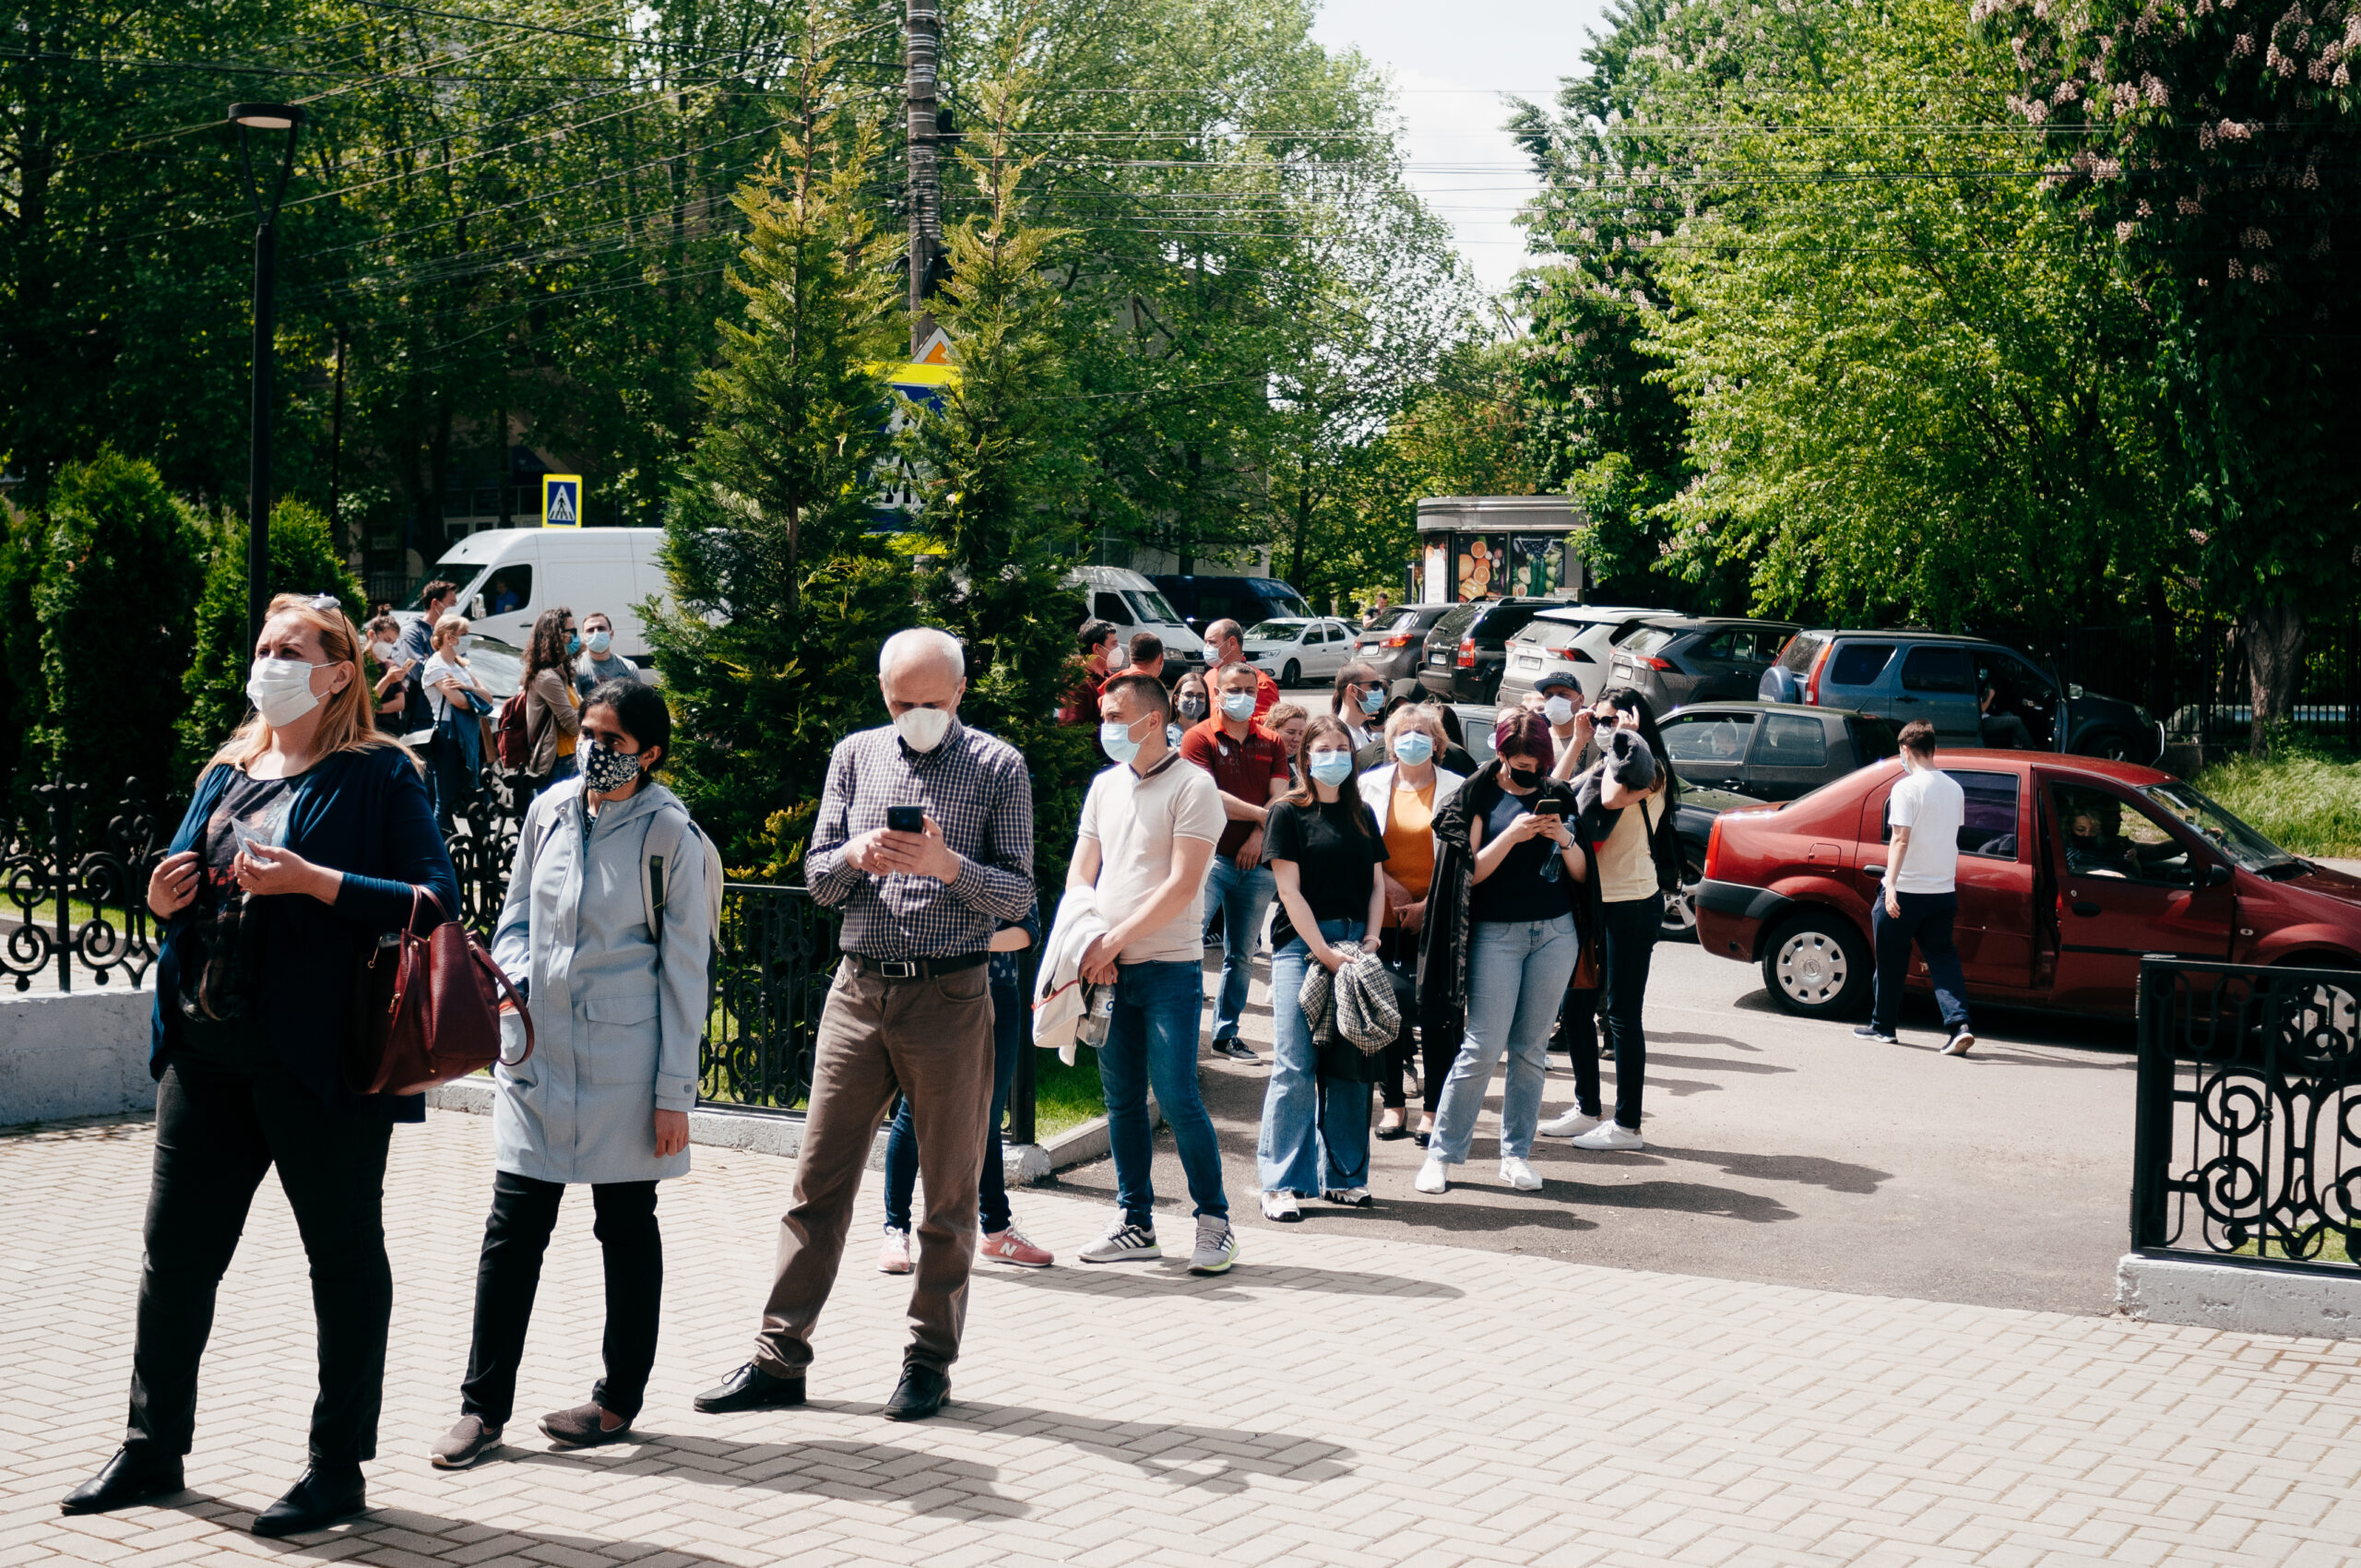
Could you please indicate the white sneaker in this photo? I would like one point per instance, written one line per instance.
(1216, 1246)
(1572, 1125)
(1434, 1176)
(1520, 1175)
(1609, 1136)
(894, 1255)
(1125, 1243)
(1281, 1207)
(1348, 1197)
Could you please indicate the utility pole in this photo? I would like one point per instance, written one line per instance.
(921, 49)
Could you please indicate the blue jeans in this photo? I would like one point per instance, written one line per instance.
(1245, 898)
(1517, 972)
(1009, 1020)
(1151, 1040)
(1315, 1135)
(1925, 919)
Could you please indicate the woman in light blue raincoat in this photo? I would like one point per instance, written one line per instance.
(607, 930)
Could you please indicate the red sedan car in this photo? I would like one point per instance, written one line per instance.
(2071, 869)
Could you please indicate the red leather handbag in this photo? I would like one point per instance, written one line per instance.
(426, 1010)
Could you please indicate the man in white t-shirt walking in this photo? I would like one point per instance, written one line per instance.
(1921, 896)
(1148, 829)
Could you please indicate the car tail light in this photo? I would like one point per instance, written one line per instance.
(1468, 653)
(1819, 663)
(1399, 640)
(1653, 663)
(1713, 848)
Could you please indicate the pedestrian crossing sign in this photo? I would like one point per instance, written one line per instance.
(560, 501)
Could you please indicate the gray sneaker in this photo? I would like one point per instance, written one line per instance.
(1216, 1246)
(1125, 1243)
(465, 1443)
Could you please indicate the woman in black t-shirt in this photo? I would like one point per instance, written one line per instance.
(1521, 947)
(1323, 848)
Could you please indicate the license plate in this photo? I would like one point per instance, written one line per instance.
(1440, 658)
(1528, 662)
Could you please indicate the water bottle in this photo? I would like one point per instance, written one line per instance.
(1097, 1012)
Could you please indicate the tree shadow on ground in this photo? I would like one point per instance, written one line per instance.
(1836, 1175)
(1171, 1278)
(1167, 1450)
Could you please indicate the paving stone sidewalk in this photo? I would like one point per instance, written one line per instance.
(1336, 1399)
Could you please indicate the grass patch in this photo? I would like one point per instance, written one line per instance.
(1064, 1097)
(2299, 799)
(2334, 1248)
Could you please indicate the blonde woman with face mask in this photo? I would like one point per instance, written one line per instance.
(308, 838)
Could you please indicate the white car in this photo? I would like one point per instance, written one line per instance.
(1295, 650)
(1572, 641)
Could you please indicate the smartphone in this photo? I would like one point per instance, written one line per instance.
(905, 819)
(1549, 808)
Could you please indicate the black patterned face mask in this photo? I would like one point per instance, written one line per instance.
(605, 768)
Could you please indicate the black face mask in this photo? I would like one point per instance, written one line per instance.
(1524, 777)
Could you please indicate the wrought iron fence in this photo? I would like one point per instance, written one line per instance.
(2248, 1139)
(2194, 680)
(74, 886)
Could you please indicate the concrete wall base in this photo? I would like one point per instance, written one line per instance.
(2241, 1296)
(81, 1053)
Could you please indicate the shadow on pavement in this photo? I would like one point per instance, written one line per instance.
(1171, 1278)
(1707, 1063)
(1169, 1451)
(931, 1483)
(1836, 1175)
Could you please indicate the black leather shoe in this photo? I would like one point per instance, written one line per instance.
(137, 1473)
(318, 1498)
(751, 1388)
(920, 1395)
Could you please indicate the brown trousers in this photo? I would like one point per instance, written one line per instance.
(933, 1040)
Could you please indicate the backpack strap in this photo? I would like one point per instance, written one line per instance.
(667, 828)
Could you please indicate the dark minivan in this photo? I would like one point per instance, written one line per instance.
(1467, 652)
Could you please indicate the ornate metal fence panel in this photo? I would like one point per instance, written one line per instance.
(2249, 1141)
(771, 970)
(74, 886)
(482, 839)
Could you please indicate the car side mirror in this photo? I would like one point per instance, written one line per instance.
(2217, 874)
(475, 608)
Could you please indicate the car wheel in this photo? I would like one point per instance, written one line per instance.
(1681, 908)
(2111, 746)
(1816, 966)
(1290, 673)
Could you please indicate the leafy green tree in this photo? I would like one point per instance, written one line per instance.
(119, 574)
(997, 474)
(2220, 151)
(21, 548)
(304, 559)
(780, 602)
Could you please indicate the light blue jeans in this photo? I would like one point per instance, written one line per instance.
(1315, 1135)
(1245, 898)
(1517, 972)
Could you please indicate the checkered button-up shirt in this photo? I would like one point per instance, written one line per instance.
(976, 789)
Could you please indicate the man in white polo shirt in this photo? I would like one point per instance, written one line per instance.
(1148, 829)
(1921, 897)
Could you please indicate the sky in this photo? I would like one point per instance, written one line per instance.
(1452, 61)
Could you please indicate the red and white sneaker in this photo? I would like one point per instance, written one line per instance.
(1010, 1247)
(894, 1257)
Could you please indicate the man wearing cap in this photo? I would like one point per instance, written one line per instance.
(1562, 700)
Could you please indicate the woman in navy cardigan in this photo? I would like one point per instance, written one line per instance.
(309, 830)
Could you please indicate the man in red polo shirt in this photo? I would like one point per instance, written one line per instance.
(1249, 769)
(1226, 646)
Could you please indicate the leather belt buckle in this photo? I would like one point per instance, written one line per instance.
(897, 968)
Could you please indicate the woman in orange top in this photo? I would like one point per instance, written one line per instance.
(1406, 794)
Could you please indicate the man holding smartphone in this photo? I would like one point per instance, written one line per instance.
(925, 840)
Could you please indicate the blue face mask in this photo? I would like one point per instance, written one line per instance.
(1172, 736)
(1412, 746)
(1238, 704)
(573, 643)
(1373, 701)
(600, 641)
(1115, 737)
(1331, 767)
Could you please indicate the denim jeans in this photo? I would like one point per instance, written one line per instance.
(1151, 1040)
(1244, 898)
(1315, 1133)
(1630, 931)
(1517, 972)
(1010, 1020)
(1927, 919)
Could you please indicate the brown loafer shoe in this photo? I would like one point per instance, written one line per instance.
(582, 1427)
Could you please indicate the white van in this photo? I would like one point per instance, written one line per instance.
(508, 576)
(1130, 603)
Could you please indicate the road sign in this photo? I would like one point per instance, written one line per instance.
(560, 501)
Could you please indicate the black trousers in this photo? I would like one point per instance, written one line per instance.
(1631, 929)
(1578, 1032)
(524, 1212)
(1434, 1062)
(218, 1130)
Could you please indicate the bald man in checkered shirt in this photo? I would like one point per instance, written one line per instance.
(910, 1010)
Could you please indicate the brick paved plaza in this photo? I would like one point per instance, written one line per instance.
(1340, 1398)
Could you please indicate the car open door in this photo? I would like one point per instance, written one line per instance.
(1994, 929)
(2128, 884)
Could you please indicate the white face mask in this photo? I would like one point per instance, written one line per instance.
(383, 652)
(1558, 710)
(922, 728)
(280, 689)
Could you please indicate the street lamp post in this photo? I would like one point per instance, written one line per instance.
(250, 118)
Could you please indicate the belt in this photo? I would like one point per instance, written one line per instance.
(913, 969)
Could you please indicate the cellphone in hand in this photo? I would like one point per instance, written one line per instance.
(1549, 808)
(905, 819)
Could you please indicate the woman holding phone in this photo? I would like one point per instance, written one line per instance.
(308, 833)
(1511, 823)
